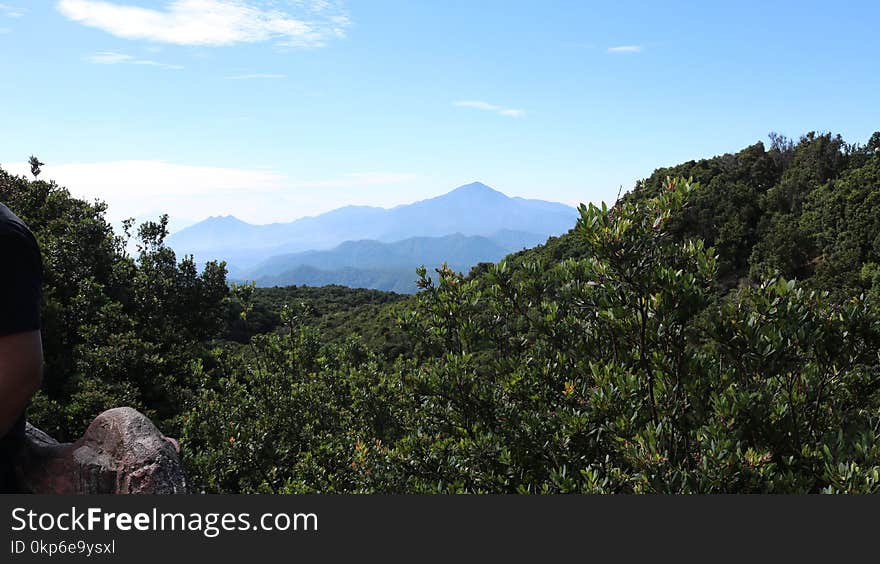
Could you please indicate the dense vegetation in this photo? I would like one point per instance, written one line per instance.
(804, 210)
(716, 330)
(118, 329)
(337, 313)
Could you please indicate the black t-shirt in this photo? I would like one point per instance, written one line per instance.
(21, 279)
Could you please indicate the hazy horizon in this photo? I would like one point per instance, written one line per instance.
(277, 110)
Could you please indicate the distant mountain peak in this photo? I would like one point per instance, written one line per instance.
(471, 210)
(225, 219)
(475, 187)
(475, 193)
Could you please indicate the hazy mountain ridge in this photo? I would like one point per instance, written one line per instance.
(401, 281)
(385, 266)
(488, 224)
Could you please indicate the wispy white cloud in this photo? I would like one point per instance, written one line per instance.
(486, 106)
(108, 58)
(12, 11)
(213, 22)
(256, 76)
(625, 49)
(112, 58)
(189, 193)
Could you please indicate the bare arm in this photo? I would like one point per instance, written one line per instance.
(21, 350)
(21, 374)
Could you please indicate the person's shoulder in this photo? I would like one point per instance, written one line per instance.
(9, 222)
(14, 231)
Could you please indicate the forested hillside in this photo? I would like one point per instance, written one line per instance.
(805, 210)
(716, 330)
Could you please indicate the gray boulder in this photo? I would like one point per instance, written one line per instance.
(121, 452)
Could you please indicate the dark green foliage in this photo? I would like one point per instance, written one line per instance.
(117, 329)
(726, 212)
(337, 313)
(278, 421)
(662, 345)
(35, 165)
(623, 371)
(784, 209)
(842, 224)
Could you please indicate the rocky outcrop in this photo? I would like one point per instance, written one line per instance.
(121, 452)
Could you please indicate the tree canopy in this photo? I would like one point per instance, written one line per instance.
(715, 330)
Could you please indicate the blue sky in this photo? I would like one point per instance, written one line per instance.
(271, 110)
